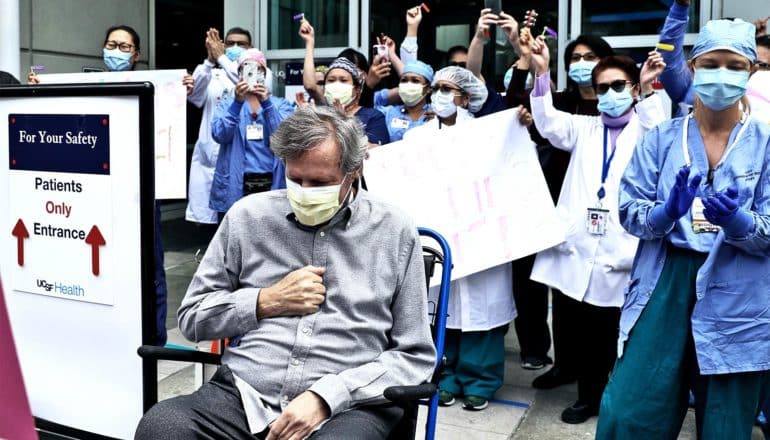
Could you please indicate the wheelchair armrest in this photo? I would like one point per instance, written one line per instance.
(410, 392)
(175, 354)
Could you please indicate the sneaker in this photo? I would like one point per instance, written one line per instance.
(445, 398)
(475, 403)
(552, 378)
(578, 413)
(535, 362)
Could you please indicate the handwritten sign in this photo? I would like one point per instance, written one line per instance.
(478, 183)
(170, 121)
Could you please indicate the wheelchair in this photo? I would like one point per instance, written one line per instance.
(408, 397)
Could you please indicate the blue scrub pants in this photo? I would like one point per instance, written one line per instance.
(648, 392)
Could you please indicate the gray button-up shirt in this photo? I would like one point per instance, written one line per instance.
(371, 331)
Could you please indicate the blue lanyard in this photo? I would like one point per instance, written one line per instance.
(605, 165)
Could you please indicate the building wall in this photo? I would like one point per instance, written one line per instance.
(748, 10)
(64, 36)
(242, 13)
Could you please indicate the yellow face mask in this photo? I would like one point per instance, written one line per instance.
(315, 205)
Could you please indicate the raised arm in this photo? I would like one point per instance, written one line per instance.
(307, 33)
(409, 45)
(676, 78)
(556, 126)
(476, 48)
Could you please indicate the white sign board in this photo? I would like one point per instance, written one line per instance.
(70, 256)
(170, 121)
(479, 184)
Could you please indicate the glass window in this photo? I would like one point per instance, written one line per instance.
(329, 20)
(645, 17)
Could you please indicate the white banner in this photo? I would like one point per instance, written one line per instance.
(479, 184)
(170, 121)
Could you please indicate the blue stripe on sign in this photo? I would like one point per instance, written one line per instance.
(59, 143)
(511, 403)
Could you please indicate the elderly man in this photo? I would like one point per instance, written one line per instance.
(322, 287)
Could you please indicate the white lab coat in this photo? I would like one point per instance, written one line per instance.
(211, 85)
(586, 267)
(483, 300)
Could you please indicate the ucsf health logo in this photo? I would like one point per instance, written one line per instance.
(62, 288)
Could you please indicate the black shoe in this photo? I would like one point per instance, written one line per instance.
(535, 362)
(578, 413)
(552, 378)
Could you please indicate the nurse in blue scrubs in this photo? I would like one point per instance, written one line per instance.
(697, 309)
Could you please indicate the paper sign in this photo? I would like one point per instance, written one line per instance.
(170, 121)
(479, 184)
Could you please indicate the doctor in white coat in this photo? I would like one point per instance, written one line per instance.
(593, 265)
(480, 305)
(213, 80)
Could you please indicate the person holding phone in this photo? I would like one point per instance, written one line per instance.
(214, 79)
(242, 125)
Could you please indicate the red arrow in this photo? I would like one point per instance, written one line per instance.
(95, 239)
(20, 232)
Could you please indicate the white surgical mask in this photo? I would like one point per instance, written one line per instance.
(338, 91)
(314, 205)
(443, 103)
(410, 93)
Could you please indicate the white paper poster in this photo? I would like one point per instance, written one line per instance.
(170, 121)
(479, 184)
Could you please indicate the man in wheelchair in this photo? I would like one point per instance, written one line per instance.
(320, 289)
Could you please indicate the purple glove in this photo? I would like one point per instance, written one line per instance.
(723, 209)
(681, 196)
(679, 201)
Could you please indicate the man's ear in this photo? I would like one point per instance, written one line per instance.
(691, 65)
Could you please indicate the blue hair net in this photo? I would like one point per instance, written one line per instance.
(419, 68)
(734, 35)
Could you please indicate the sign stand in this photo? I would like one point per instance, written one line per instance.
(76, 251)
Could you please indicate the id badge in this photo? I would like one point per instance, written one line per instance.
(596, 221)
(254, 132)
(699, 222)
(399, 123)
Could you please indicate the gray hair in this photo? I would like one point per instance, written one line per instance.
(310, 126)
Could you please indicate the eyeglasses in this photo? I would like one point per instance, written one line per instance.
(230, 43)
(447, 89)
(124, 47)
(588, 56)
(617, 85)
(762, 65)
(462, 64)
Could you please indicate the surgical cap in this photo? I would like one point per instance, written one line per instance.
(252, 55)
(419, 68)
(467, 81)
(734, 35)
(346, 65)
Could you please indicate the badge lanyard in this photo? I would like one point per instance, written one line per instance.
(605, 167)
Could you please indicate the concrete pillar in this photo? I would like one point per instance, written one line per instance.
(9, 37)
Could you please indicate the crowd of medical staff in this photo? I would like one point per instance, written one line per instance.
(660, 293)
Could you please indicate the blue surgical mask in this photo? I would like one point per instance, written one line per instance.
(720, 88)
(580, 72)
(117, 61)
(614, 103)
(234, 52)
